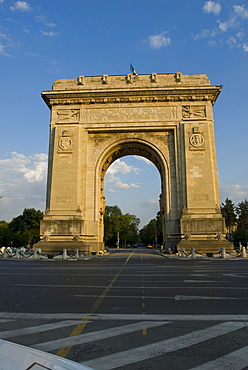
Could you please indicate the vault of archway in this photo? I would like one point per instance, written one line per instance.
(131, 148)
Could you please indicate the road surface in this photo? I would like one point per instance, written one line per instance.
(131, 309)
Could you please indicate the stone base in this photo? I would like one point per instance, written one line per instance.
(205, 246)
(71, 246)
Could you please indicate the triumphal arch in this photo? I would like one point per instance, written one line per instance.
(166, 118)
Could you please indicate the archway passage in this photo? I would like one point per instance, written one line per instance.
(133, 183)
(166, 118)
(127, 147)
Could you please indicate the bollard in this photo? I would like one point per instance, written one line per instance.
(18, 254)
(64, 254)
(243, 252)
(183, 253)
(193, 253)
(37, 253)
(223, 252)
(77, 254)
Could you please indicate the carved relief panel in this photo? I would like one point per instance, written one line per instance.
(65, 142)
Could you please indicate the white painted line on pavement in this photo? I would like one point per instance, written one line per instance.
(122, 296)
(160, 348)
(194, 297)
(97, 335)
(38, 329)
(203, 281)
(236, 360)
(130, 287)
(122, 317)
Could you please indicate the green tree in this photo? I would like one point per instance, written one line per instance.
(25, 228)
(4, 234)
(129, 229)
(149, 232)
(228, 212)
(115, 223)
(159, 220)
(242, 213)
(241, 234)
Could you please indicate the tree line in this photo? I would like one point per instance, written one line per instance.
(22, 231)
(121, 229)
(236, 220)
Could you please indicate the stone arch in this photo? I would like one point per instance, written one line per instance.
(166, 118)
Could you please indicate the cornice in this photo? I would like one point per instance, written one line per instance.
(184, 94)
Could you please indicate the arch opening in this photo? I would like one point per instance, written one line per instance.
(144, 152)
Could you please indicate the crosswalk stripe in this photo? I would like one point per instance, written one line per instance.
(236, 360)
(37, 329)
(97, 335)
(122, 317)
(160, 348)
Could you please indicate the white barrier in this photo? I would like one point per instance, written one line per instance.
(223, 252)
(193, 253)
(243, 252)
(64, 254)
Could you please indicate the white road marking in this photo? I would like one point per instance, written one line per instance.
(122, 317)
(236, 360)
(160, 348)
(97, 335)
(194, 297)
(122, 296)
(203, 281)
(236, 275)
(129, 287)
(38, 329)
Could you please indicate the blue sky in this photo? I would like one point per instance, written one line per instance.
(41, 41)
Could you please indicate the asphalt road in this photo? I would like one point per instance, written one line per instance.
(131, 309)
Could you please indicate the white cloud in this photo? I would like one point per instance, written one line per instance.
(205, 33)
(212, 7)
(245, 47)
(237, 193)
(223, 26)
(159, 41)
(44, 20)
(119, 185)
(50, 34)
(23, 6)
(123, 186)
(240, 35)
(121, 167)
(147, 161)
(230, 23)
(22, 183)
(232, 42)
(241, 11)
(2, 52)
